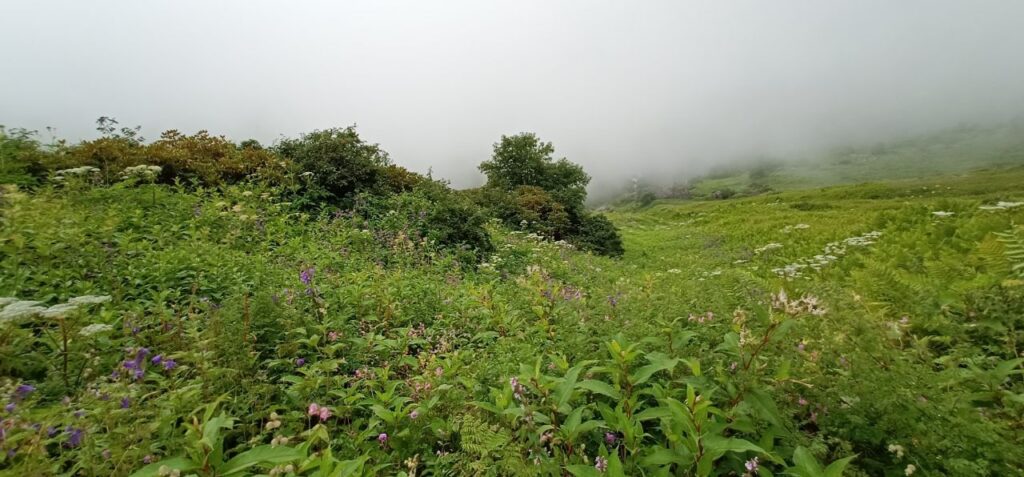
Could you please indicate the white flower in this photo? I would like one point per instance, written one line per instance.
(95, 328)
(674, 270)
(767, 247)
(21, 309)
(58, 310)
(89, 300)
(911, 468)
(942, 213)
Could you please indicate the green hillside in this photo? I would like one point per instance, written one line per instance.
(223, 331)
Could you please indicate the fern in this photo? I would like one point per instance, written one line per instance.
(1013, 240)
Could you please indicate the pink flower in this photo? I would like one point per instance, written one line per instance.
(601, 464)
(332, 336)
(314, 409)
(382, 438)
(414, 414)
(438, 371)
(325, 413)
(802, 401)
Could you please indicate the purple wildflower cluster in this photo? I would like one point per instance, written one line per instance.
(136, 365)
(518, 391)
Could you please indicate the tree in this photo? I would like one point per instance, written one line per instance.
(525, 160)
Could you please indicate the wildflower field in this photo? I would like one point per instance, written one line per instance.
(153, 329)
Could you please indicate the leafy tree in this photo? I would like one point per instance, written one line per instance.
(525, 160)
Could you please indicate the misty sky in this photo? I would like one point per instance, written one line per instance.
(620, 87)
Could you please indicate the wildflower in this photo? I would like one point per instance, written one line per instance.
(751, 465)
(300, 361)
(314, 409)
(414, 414)
(306, 275)
(801, 401)
(438, 371)
(517, 389)
(10, 407)
(51, 431)
(896, 449)
(148, 459)
(157, 359)
(545, 437)
(601, 464)
(382, 438)
(94, 329)
(105, 454)
(911, 468)
(332, 336)
(325, 413)
(610, 438)
(942, 213)
(23, 390)
(75, 436)
(126, 402)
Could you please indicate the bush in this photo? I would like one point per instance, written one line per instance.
(210, 160)
(597, 234)
(333, 165)
(21, 157)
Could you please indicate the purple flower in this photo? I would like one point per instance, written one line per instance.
(51, 431)
(126, 402)
(383, 438)
(306, 275)
(148, 459)
(414, 414)
(601, 464)
(170, 364)
(610, 438)
(300, 361)
(10, 407)
(24, 390)
(157, 359)
(141, 354)
(139, 374)
(75, 436)
(751, 465)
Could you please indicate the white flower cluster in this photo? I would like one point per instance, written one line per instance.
(142, 171)
(943, 213)
(95, 328)
(1002, 205)
(789, 228)
(831, 253)
(75, 171)
(14, 308)
(767, 247)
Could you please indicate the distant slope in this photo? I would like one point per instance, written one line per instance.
(956, 150)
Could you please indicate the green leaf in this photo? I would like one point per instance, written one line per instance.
(264, 454)
(580, 470)
(836, 468)
(174, 463)
(806, 465)
(600, 387)
(659, 362)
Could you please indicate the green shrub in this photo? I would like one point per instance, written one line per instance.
(597, 234)
(333, 165)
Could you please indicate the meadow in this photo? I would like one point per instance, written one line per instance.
(158, 328)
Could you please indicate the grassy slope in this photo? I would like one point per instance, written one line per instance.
(682, 257)
(936, 154)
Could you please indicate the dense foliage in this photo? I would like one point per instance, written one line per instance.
(531, 191)
(170, 328)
